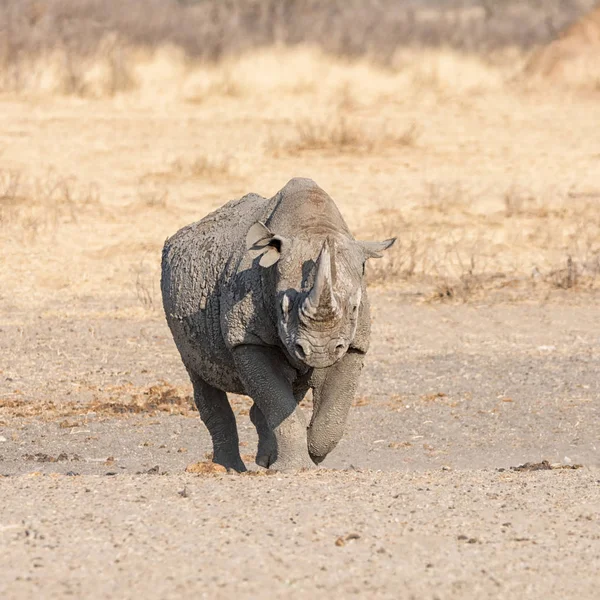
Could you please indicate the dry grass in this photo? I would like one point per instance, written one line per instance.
(41, 205)
(109, 401)
(342, 133)
(202, 167)
(146, 279)
(460, 255)
(199, 167)
(445, 151)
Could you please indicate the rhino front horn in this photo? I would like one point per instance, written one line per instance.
(321, 303)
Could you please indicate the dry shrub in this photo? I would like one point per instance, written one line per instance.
(199, 167)
(575, 275)
(220, 83)
(213, 29)
(152, 194)
(573, 57)
(10, 187)
(145, 277)
(91, 47)
(29, 208)
(341, 134)
(449, 252)
(565, 278)
(107, 72)
(338, 134)
(518, 202)
(446, 198)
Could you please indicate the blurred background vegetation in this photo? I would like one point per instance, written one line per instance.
(213, 29)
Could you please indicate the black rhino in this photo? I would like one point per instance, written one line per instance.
(266, 297)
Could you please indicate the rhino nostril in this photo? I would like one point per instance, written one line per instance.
(339, 348)
(302, 351)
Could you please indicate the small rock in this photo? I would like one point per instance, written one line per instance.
(342, 540)
(155, 470)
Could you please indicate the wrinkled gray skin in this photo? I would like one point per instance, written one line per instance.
(266, 297)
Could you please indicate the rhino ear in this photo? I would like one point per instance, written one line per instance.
(258, 236)
(261, 238)
(374, 249)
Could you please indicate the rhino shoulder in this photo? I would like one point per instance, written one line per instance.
(246, 315)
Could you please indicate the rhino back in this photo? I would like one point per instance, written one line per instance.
(197, 264)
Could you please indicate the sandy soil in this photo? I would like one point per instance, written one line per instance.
(485, 350)
(464, 534)
(418, 501)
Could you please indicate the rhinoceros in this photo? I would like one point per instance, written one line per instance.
(266, 297)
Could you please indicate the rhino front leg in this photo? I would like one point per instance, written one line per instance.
(332, 396)
(267, 446)
(263, 372)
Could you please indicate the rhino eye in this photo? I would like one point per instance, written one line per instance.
(355, 309)
(363, 268)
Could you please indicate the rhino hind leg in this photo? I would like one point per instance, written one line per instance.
(266, 454)
(215, 412)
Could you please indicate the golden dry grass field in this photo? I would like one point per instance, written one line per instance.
(490, 181)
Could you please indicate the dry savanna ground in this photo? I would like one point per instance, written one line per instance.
(488, 182)
(486, 334)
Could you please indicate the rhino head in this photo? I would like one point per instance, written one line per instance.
(318, 289)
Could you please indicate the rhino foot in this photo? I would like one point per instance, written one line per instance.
(267, 450)
(270, 461)
(231, 463)
(296, 464)
(264, 460)
(317, 459)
